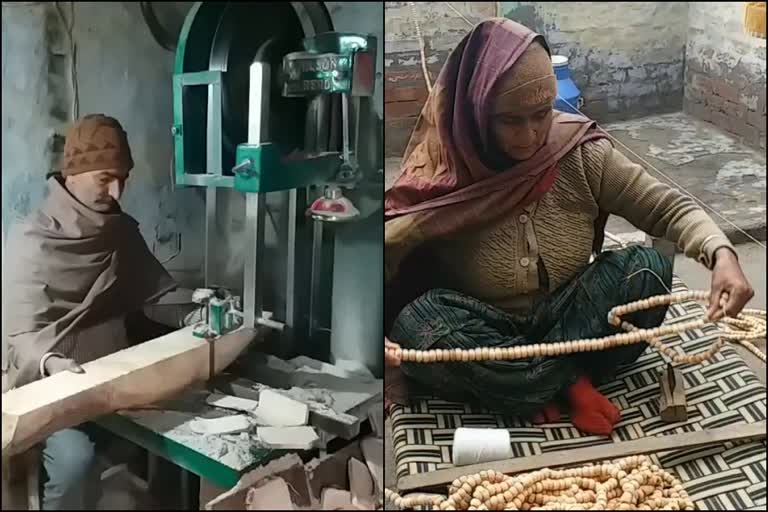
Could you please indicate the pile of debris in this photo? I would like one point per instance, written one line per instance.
(350, 479)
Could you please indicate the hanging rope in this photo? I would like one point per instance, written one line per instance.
(422, 48)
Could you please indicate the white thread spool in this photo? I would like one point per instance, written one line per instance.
(476, 445)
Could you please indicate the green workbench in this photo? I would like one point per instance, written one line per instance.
(183, 456)
(192, 460)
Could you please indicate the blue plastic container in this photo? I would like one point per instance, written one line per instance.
(568, 95)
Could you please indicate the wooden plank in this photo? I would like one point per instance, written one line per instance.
(437, 480)
(137, 376)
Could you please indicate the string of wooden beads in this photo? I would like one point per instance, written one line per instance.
(632, 483)
(749, 324)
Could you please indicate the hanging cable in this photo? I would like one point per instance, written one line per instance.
(69, 27)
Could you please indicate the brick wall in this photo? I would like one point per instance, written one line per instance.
(725, 71)
(628, 60)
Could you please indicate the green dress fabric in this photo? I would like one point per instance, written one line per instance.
(446, 319)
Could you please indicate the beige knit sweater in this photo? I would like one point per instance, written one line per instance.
(501, 264)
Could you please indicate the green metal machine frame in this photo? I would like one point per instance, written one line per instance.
(331, 63)
(327, 66)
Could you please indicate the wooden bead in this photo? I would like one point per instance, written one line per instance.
(748, 325)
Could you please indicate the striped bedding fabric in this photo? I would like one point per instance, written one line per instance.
(722, 391)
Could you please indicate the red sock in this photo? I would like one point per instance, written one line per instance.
(591, 411)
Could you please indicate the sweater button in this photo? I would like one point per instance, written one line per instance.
(524, 262)
(523, 219)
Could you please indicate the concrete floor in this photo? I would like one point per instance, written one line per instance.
(712, 166)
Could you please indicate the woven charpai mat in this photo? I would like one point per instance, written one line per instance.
(722, 391)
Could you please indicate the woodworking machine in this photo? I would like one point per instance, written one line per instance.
(271, 103)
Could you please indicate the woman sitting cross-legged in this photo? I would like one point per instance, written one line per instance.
(490, 228)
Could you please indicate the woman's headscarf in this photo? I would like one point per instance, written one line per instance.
(448, 182)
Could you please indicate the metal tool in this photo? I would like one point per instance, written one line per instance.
(221, 312)
(672, 403)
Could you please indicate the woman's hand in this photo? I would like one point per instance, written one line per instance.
(391, 353)
(729, 283)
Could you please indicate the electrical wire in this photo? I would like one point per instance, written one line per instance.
(422, 48)
(69, 27)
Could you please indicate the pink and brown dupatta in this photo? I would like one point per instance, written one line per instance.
(446, 184)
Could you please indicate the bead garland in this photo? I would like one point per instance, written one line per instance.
(632, 483)
(749, 324)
